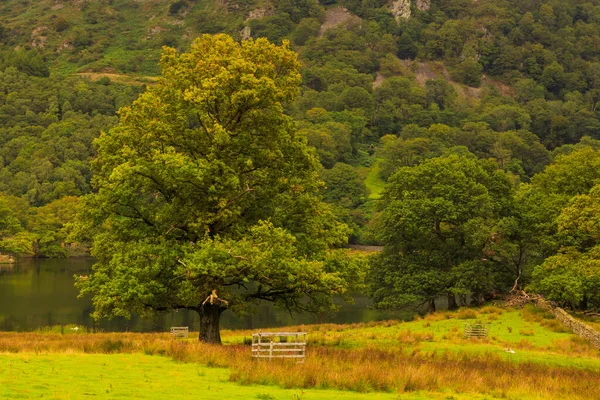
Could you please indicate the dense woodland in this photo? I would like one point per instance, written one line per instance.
(480, 118)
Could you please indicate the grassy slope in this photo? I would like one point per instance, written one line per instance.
(73, 376)
(372, 180)
(533, 335)
(123, 33)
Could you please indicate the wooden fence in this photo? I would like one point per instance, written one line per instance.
(270, 345)
(476, 330)
(180, 332)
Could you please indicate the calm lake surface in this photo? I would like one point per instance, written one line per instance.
(40, 293)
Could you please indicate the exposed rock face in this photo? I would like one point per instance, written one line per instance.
(38, 39)
(245, 33)
(334, 17)
(66, 45)
(259, 13)
(401, 9)
(423, 5)
(154, 30)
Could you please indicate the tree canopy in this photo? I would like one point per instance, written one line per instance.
(206, 185)
(438, 226)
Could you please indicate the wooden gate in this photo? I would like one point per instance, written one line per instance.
(476, 330)
(270, 345)
(180, 332)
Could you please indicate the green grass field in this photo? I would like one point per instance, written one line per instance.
(373, 182)
(532, 334)
(527, 355)
(129, 376)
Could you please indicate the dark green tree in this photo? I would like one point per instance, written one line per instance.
(437, 227)
(572, 277)
(344, 186)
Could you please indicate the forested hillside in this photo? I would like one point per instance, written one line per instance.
(493, 103)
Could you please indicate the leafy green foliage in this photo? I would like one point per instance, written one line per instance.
(572, 277)
(437, 224)
(13, 238)
(28, 62)
(371, 88)
(343, 185)
(205, 185)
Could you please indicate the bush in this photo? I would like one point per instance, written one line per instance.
(491, 310)
(274, 28)
(307, 28)
(176, 7)
(466, 313)
(61, 24)
(468, 72)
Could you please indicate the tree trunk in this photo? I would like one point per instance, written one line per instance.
(583, 305)
(452, 302)
(432, 305)
(210, 315)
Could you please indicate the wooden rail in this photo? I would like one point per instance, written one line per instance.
(477, 330)
(180, 332)
(291, 345)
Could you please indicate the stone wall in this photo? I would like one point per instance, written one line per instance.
(577, 327)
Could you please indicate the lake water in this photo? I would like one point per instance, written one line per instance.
(40, 293)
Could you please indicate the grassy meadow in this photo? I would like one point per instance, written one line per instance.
(373, 181)
(527, 356)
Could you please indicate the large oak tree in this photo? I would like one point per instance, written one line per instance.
(204, 186)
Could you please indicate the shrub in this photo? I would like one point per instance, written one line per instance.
(466, 313)
(491, 310)
(468, 72)
(178, 6)
(307, 28)
(61, 24)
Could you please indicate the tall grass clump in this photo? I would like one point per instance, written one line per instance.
(543, 317)
(466, 313)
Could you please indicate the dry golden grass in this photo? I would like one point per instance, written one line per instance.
(543, 317)
(574, 347)
(591, 320)
(491, 310)
(437, 316)
(466, 313)
(365, 369)
(313, 328)
(412, 338)
(526, 332)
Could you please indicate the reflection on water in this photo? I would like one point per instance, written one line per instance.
(38, 293)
